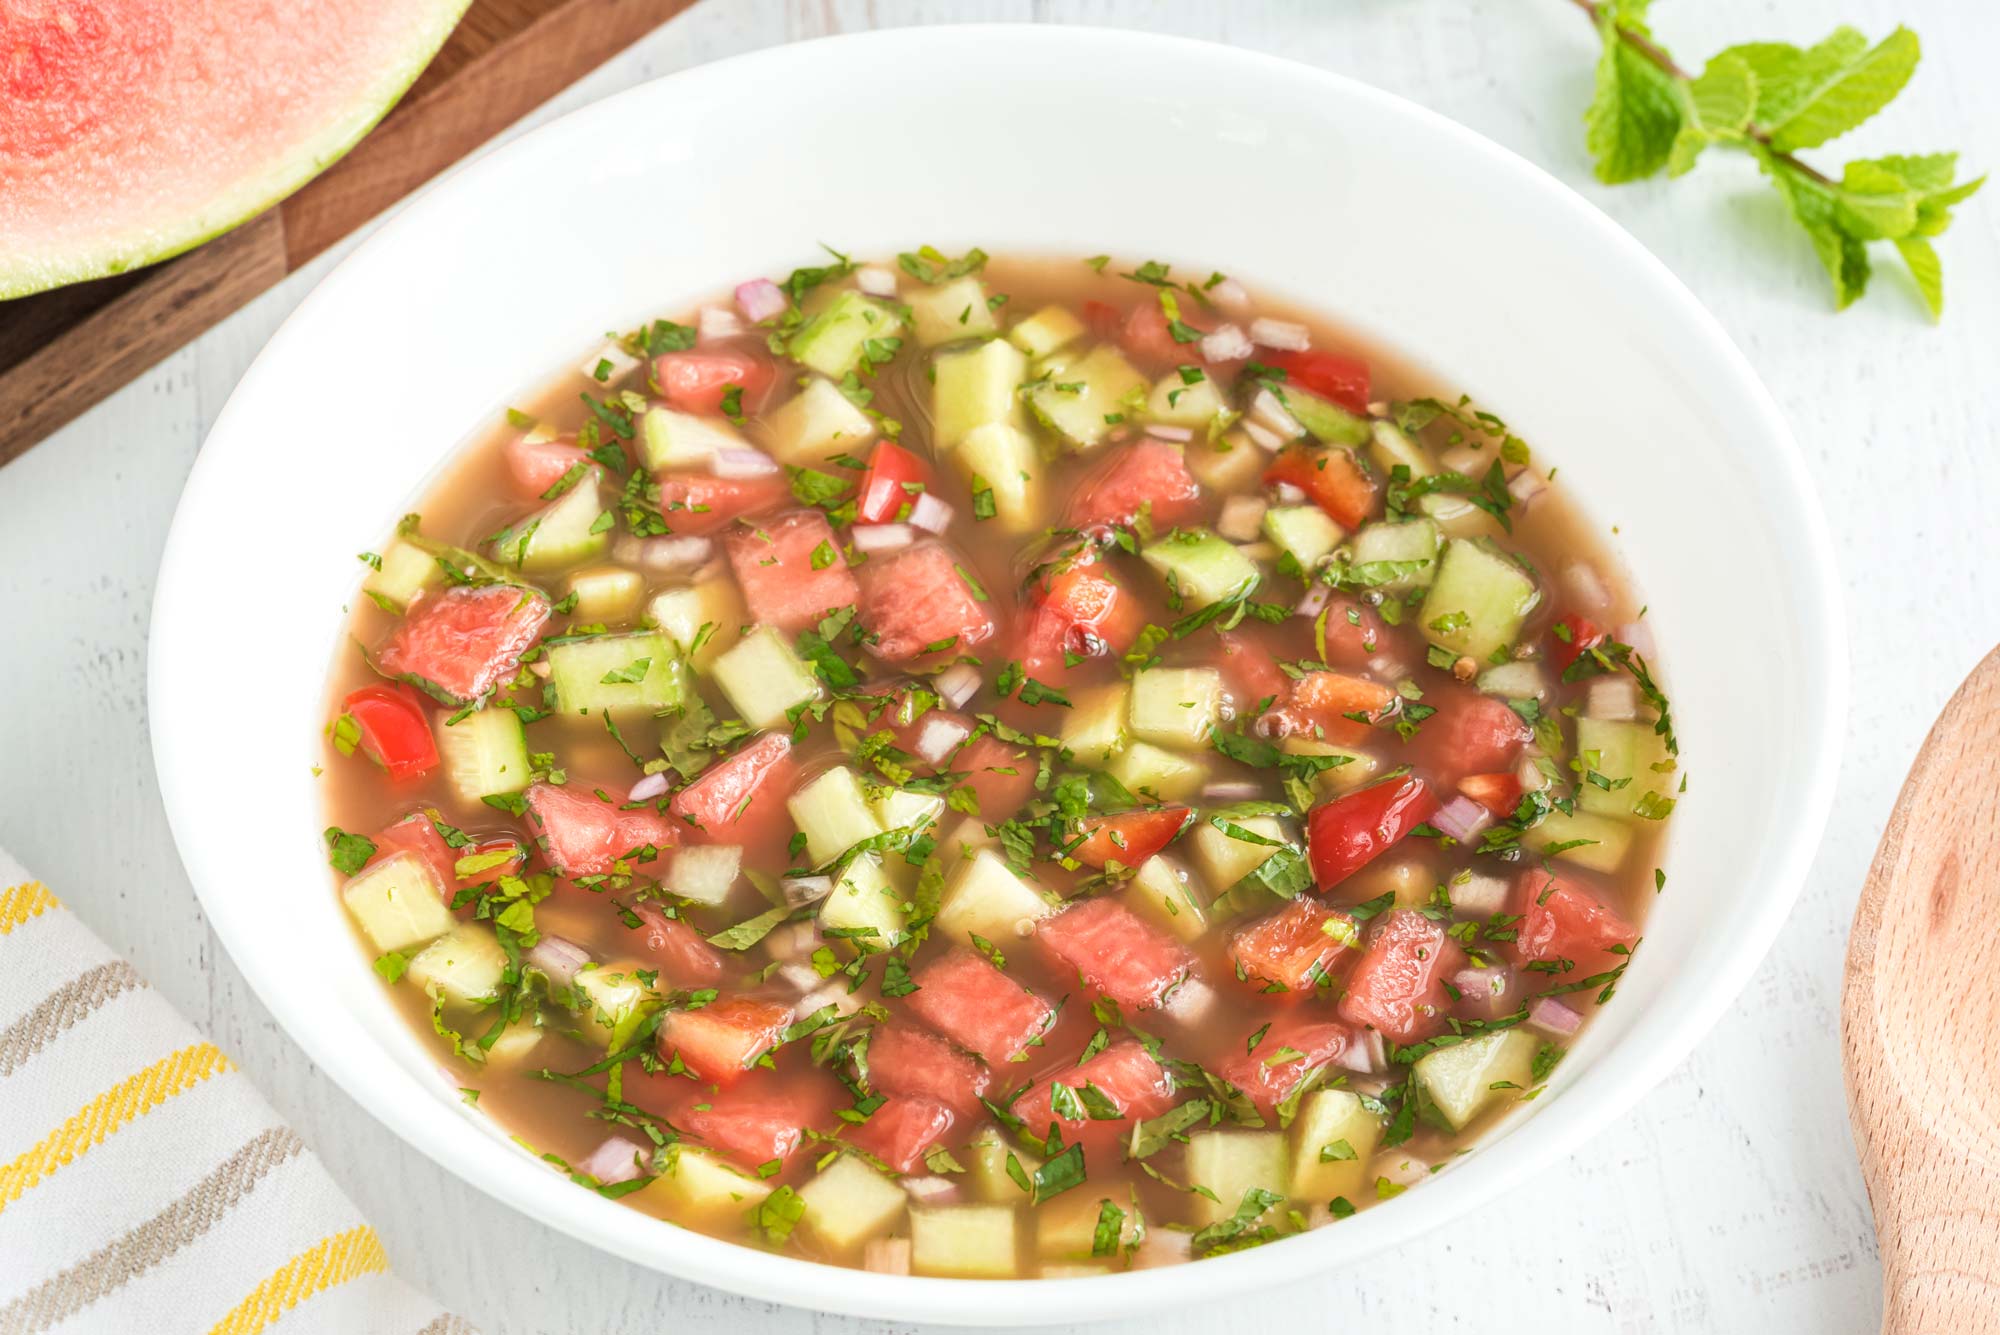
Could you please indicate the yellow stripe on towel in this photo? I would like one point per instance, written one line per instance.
(18, 903)
(126, 1101)
(327, 1264)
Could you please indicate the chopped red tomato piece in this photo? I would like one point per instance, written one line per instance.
(1291, 1050)
(1332, 478)
(1470, 733)
(739, 796)
(1115, 951)
(1325, 706)
(395, 730)
(1148, 338)
(1291, 950)
(465, 641)
(1147, 475)
(902, 1130)
(903, 1059)
(922, 601)
(1571, 637)
(894, 480)
(698, 503)
(762, 1118)
(1079, 610)
(719, 1041)
(1346, 834)
(699, 382)
(1130, 837)
(537, 465)
(1398, 988)
(981, 1009)
(684, 955)
(791, 570)
(1250, 670)
(1560, 920)
(1124, 1074)
(585, 836)
(1498, 793)
(1331, 375)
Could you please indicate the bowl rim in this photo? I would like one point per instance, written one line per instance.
(1620, 1075)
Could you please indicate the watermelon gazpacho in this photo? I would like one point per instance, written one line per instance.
(976, 767)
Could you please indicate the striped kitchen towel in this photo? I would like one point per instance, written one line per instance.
(145, 1186)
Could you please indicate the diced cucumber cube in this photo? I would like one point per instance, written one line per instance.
(1002, 457)
(1201, 567)
(952, 312)
(1074, 400)
(968, 1241)
(986, 897)
(1389, 445)
(672, 441)
(1304, 531)
(1460, 1080)
(617, 673)
(1145, 768)
(615, 1001)
(1047, 330)
(705, 873)
(1066, 1227)
(1479, 600)
(702, 621)
(702, 1189)
(1333, 1139)
(1598, 843)
(1160, 891)
(974, 388)
(834, 814)
(398, 902)
(1176, 706)
(606, 594)
(1232, 1163)
(1458, 517)
(900, 808)
(1518, 679)
(1228, 466)
(514, 1045)
(864, 909)
(1174, 402)
(834, 341)
(849, 1203)
(463, 966)
(574, 528)
(1631, 752)
(817, 422)
(1328, 422)
(1413, 543)
(485, 753)
(986, 1170)
(1094, 728)
(1224, 859)
(407, 570)
(764, 678)
(1359, 768)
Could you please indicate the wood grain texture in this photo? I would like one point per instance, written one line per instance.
(1728, 1201)
(1918, 1017)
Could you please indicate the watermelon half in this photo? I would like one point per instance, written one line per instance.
(132, 130)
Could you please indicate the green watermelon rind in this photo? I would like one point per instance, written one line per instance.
(23, 274)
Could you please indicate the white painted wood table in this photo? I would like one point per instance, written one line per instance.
(1728, 1201)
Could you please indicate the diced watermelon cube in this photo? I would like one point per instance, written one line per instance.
(1290, 1051)
(1354, 633)
(537, 465)
(1116, 951)
(791, 570)
(697, 503)
(684, 956)
(1331, 375)
(1000, 775)
(1292, 949)
(1147, 338)
(1147, 474)
(1471, 733)
(1129, 837)
(903, 1059)
(737, 798)
(1322, 704)
(1560, 920)
(1250, 669)
(1125, 1073)
(1398, 988)
(586, 836)
(1500, 794)
(761, 1118)
(698, 382)
(902, 1129)
(981, 1009)
(465, 641)
(917, 602)
(418, 833)
(719, 1041)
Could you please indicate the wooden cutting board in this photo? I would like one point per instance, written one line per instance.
(63, 351)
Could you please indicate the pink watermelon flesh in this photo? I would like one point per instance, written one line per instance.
(134, 129)
(976, 1006)
(775, 567)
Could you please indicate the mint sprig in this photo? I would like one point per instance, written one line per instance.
(1772, 99)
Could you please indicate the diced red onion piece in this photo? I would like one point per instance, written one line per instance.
(883, 537)
(930, 514)
(1229, 294)
(674, 553)
(1462, 818)
(1280, 334)
(799, 977)
(1525, 486)
(794, 941)
(1315, 601)
(1481, 896)
(875, 281)
(705, 873)
(1263, 437)
(1586, 588)
(1487, 991)
(558, 958)
(1231, 790)
(616, 1160)
(1289, 494)
(1178, 434)
(717, 325)
(541, 667)
(1531, 776)
(760, 299)
(648, 788)
(1191, 1002)
(890, 1256)
(620, 361)
(835, 995)
(1365, 1055)
(1386, 668)
(805, 889)
(1226, 344)
(931, 1189)
(957, 684)
(1467, 459)
(1242, 518)
(744, 462)
(939, 737)
(1268, 412)
(1552, 1017)
(1612, 698)
(1640, 636)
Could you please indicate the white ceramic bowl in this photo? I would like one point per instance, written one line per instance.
(1018, 139)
